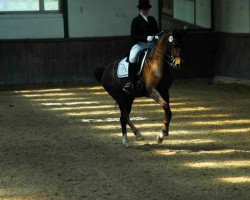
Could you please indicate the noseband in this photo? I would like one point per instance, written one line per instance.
(170, 55)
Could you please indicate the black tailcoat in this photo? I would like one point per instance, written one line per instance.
(140, 28)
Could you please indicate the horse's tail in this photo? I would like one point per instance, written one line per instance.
(98, 73)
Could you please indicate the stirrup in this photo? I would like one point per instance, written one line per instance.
(128, 88)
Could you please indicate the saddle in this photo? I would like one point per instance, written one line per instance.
(122, 70)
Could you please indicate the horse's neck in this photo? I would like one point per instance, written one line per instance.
(153, 71)
(160, 50)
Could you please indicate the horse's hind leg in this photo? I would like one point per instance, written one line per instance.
(125, 108)
(136, 132)
(123, 121)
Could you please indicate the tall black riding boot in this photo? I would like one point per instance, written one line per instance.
(129, 87)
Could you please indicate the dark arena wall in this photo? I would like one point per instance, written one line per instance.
(206, 55)
(233, 56)
(57, 60)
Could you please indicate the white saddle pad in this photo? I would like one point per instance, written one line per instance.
(122, 70)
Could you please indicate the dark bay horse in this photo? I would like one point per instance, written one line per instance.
(155, 81)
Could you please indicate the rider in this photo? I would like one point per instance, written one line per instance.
(143, 29)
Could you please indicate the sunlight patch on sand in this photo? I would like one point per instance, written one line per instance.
(222, 122)
(224, 164)
(48, 95)
(192, 153)
(58, 99)
(208, 116)
(40, 91)
(190, 141)
(110, 119)
(81, 108)
(235, 180)
(237, 130)
(71, 103)
(89, 113)
(111, 127)
(91, 88)
(186, 109)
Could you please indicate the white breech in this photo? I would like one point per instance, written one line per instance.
(136, 49)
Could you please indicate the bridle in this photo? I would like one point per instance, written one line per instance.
(173, 57)
(169, 56)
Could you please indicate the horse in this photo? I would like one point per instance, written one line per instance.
(155, 81)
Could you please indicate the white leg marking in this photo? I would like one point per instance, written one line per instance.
(125, 141)
(161, 137)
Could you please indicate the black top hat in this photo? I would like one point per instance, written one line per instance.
(144, 4)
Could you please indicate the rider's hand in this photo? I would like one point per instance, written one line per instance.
(150, 38)
(156, 37)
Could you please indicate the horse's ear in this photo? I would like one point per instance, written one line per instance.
(179, 36)
(185, 31)
(180, 32)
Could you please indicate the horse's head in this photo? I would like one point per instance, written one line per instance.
(174, 47)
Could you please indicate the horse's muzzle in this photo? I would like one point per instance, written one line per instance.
(177, 62)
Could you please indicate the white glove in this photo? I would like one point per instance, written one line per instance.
(150, 38)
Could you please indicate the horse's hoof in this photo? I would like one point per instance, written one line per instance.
(126, 145)
(162, 136)
(139, 138)
(125, 142)
(159, 140)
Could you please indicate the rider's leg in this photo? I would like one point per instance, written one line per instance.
(131, 76)
(132, 68)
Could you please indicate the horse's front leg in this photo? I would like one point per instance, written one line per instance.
(136, 132)
(167, 118)
(164, 102)
(125, 108)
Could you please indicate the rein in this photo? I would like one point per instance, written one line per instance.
(168, 58)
